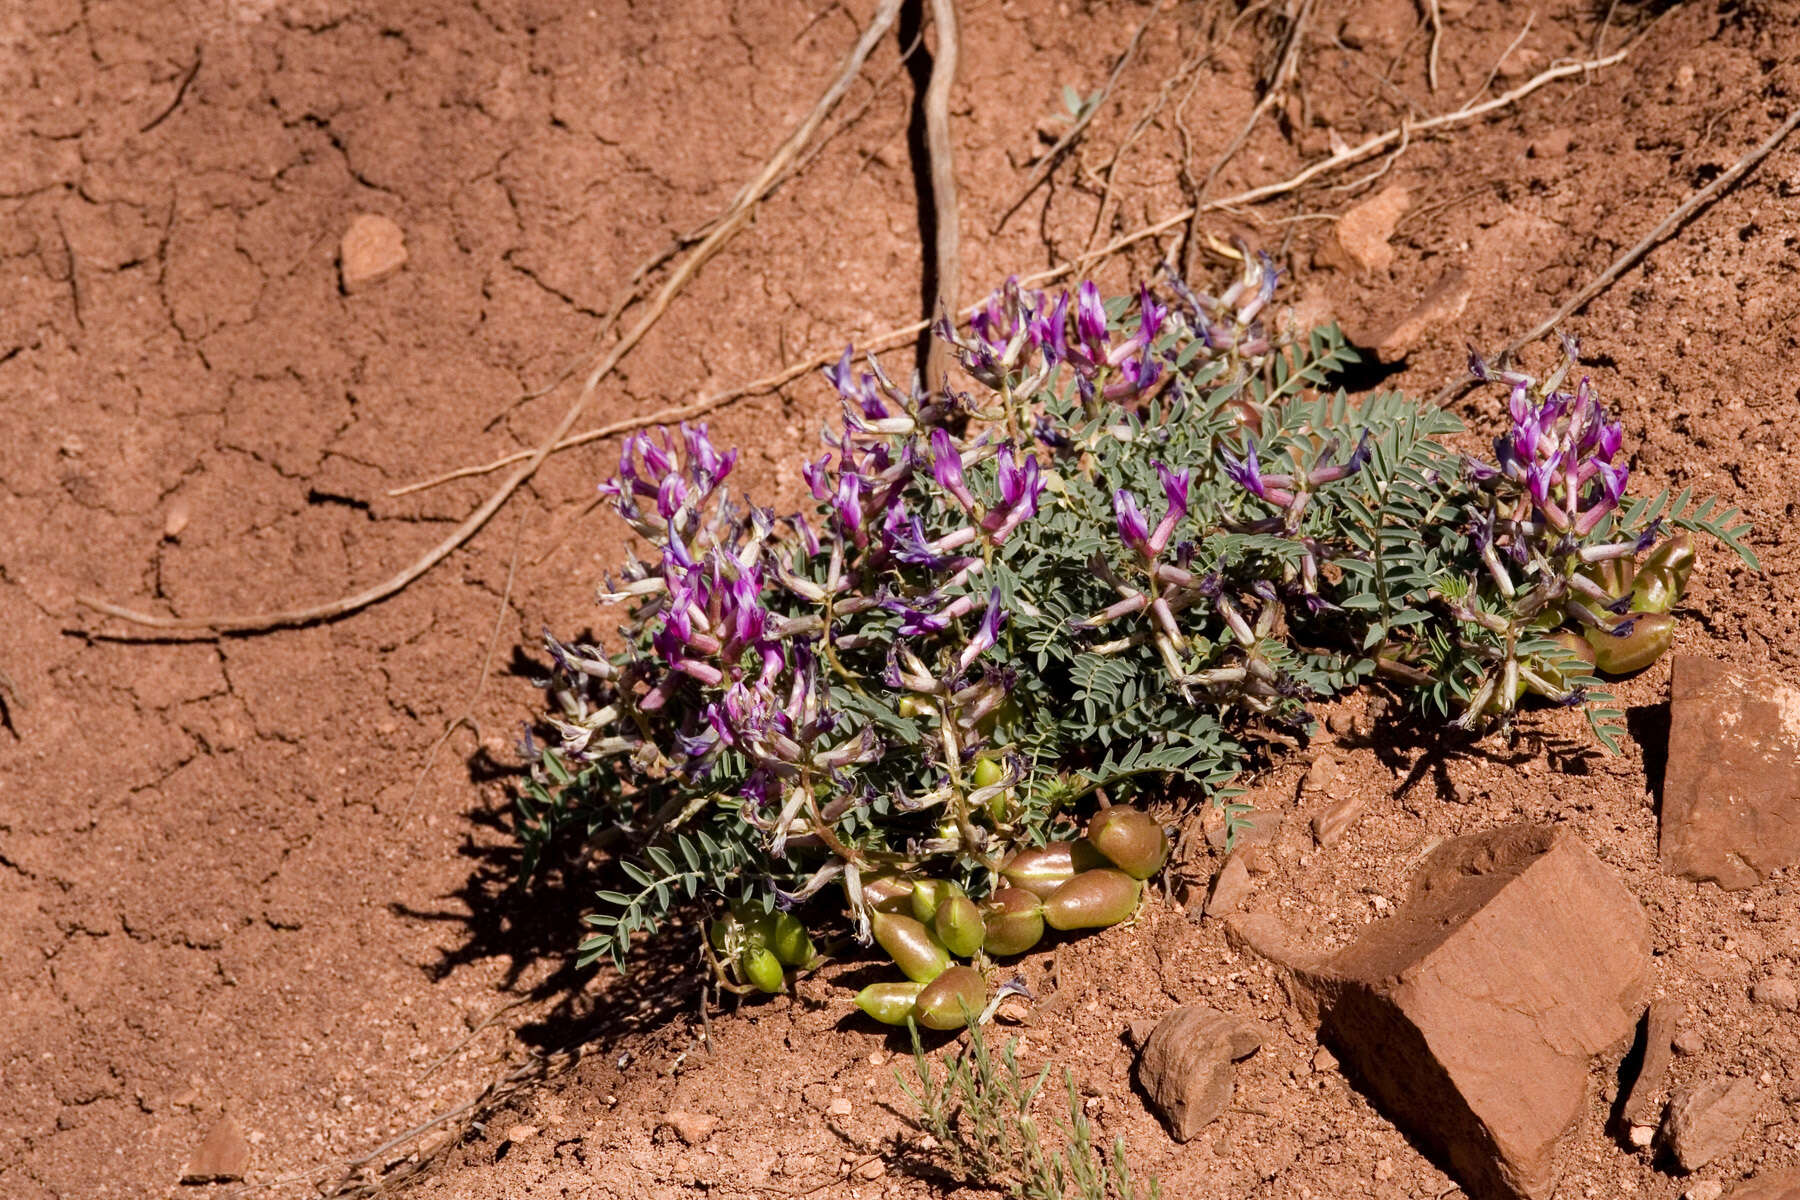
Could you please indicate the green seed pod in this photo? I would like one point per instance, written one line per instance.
(988, 772)
(950, 1000)
(789, 940)
(927, 894)
(1041, 869)
(720, 933)
(1130, 839)
(1558, 668)
(1663, 577)
(1649, 638)
(912, 947)
(958, 925)
(1092, 900)
(889, 1003)
(1014, 921)
(762, 969)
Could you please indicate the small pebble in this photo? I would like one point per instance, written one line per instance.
(1706, 1189)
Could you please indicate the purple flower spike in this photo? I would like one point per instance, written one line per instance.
(987, 634)
(1021, 483)
(1152, 315)
(1175, 488)
(947, 467)
(1090, 315)
(1133, 530)
(1247, 474)
(1050, 331)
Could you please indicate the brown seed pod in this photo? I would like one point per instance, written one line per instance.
(919, 955)
(952, 999)
(1663, 577)
(887, 893)
(1014, 921)
(1093, 899)
(958, 925)
(1130, 839)
(1556, 669)
(1649, 638)
(1043, 869)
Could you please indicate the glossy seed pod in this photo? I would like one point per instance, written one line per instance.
(887, 893)
(1093, 899)
(1663, 576)
(1043, 869)
(952, 999)
(789, 940)
(927, 894)
(1129, 838)
(889, 1003)
(1014, 921)
(958, 925)
(1557, 669)
(918, 954)
(762, 969)
(988, 772)
(1649, 638)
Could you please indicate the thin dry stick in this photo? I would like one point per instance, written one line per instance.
(893, 337)
(1501, 61)
(1286, 60)
(678, 279)
(1682, 213)
(947, 251)
(1048, 163)
(1436, 17)
(467, 716)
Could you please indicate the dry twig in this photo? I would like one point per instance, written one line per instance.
(739, 214)
(1664, 228)
(1436, 18)
(1048, 163)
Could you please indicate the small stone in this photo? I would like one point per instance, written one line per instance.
(1732, 783)
(521, 1133)
(1704, 1120)
(1324, 1060)
(839, 1107)
(374, 247)
(871, 1170)
(1230, 889)
(1640, 1136)
(1442, 304)
(1552, 144)
(222, 1157)
(1359, 240)
(1776, 1185)
(431, 1143)
(1689, 1041)
(1384, 1169)
(1319, 777)
(1330, 823)
(177, 518)
(1777, 991)
(691, 1127)
(1706, 1189)
(1185, 1068)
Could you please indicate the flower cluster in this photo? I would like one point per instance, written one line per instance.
(1147, 526)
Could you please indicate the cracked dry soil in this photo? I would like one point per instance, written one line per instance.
(211, 902)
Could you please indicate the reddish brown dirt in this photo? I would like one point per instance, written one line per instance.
(216, 896)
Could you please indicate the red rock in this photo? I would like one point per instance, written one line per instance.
(1473, 1013)
(1779, 1185)
(1731, 790)
(1185, 1068)
(373, 248)
(1442, 304)
(1705, 1119)
(1359, 240)
(1330, 822)
(222, 1158)
(1231, 888)
(692, 1128)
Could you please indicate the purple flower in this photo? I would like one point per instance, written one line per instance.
(1175, 489)
(986, 635)
(1151, 315)
(1021, 483)
(1049, 331)
(947, 467)
(1133, 530)
(1090, 317)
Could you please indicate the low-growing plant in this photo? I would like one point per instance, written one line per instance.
(978, 1114)
(1144, 539)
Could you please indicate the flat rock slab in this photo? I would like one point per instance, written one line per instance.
(1778, 1185)
(1704, 1120)
(222, 1157)
(373, 248)
(1731, 791)
(1473, 1012)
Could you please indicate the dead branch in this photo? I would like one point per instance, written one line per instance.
(1663, 229)
(739, 215)
(947, 251)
